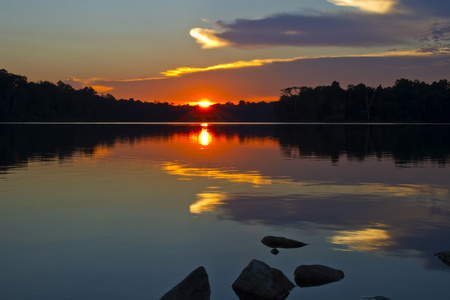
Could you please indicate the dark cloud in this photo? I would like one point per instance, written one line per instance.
(348, 29)
(438, 38)
(436, 8)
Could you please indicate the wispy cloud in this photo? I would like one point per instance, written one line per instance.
(102, 88)
(376, 6)
(208, 38)
(100, 84)
(232, 65)
(261, 62)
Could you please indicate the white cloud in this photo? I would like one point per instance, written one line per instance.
(208, 38)
(376, 6)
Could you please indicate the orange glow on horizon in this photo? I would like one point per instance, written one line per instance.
(204, 103)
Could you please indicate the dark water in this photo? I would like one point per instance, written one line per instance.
(122, 211)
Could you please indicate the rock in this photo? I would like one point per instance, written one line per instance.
(444, 257)
(274, 251)
(314, 275)
(376, 298)
(281, 242)
(194, 287)
(260, 281)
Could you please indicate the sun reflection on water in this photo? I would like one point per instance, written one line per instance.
(204, 137)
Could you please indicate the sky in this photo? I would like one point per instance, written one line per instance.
(184, 51)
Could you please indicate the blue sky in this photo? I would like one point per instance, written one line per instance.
(224, 50)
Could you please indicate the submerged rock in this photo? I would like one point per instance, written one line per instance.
(260, 281)
(376, 298)
(314, 275)
(444, 256)
(194, 287)
(281, 242)
(274, 251)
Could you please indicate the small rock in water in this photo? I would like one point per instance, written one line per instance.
(260, 281)
(315, 275)
(275, 251)
(376, 298)
(194, 287)
(281, 242)
(444, 256)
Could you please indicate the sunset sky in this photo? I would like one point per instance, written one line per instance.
(184, 51)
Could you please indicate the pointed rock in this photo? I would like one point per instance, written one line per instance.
(194, 287)
(260, 281)
(314, 275)
(444, 256)
(281, 242)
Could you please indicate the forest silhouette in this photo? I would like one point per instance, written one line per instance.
(405, 101)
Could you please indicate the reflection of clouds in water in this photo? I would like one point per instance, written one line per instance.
(312, 188)
(207, 202)
(368, 239)
(216, 173)
(415, 217)
(409, 227)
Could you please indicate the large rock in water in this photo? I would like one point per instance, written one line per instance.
(314, 275)
(444, 256)
(281, 242)
(194, 287)
(260, 281)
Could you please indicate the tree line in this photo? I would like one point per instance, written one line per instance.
(23, 101)
(406, 101)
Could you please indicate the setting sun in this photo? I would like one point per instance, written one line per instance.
(204, 103)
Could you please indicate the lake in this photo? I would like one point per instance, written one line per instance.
(126, 211)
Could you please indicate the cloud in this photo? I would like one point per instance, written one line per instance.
(438, 38)
(102, 88)
(242, 80)
(232, 65)
(350, 29)
(378, 23)
(435, 8)
(101, 84)
(208, 38)
(260, 62)
(376, 6)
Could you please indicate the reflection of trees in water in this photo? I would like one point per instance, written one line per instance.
(20, 143)
(404, 143)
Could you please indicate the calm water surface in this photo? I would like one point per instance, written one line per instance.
(116, 211)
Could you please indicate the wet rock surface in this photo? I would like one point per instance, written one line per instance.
(259, 281)
(194, 287)
(444, 256)
(281, 242)
(315, 275)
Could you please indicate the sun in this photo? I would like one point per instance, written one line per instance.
(204, 103)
